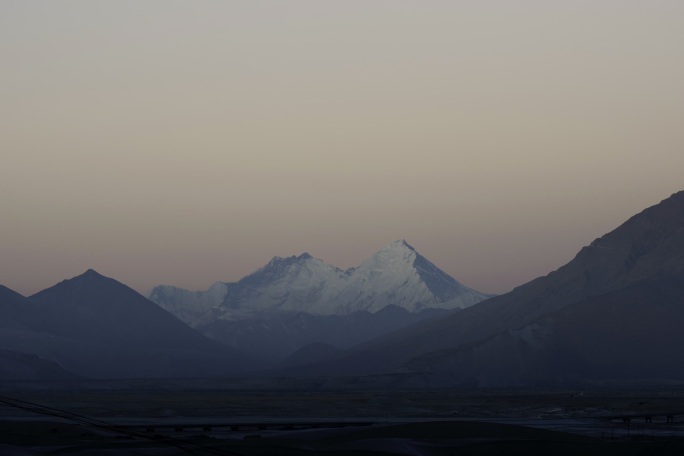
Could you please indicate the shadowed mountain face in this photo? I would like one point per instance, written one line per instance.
(529, 329)
(100, 310)
(97, 327)
(11, 310)
(625, 335)
(16, 366)
(273, 337)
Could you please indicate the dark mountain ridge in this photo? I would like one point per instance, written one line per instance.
(97, 327)
(648, 246)
(274, 337)
(98, 309)
(625, 335)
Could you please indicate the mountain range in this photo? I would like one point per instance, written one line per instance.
(613, 312)
(396, 275)
(94, 326)
(611, 315)
(294, 301)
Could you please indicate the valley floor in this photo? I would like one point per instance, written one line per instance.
(169, 418)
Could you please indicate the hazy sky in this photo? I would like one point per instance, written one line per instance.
(184, 142)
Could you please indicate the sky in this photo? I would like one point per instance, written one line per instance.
(186, 142)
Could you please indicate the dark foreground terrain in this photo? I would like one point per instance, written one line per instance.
(171, 418)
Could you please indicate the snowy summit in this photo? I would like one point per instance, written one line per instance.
(395, 275)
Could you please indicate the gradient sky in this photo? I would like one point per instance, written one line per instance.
(185, 142)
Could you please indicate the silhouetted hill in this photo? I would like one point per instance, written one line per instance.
(11, 310)
(624, 336)
(647, 249)
(98, 309)
(97, 327)
(15, 331)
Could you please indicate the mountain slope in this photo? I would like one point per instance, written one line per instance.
(188, 305)
(11, 309)
(98, 309)
(97, 327)
(17, 366)
(621, 336)
(648, 246)
(400, 276)
(273, 337)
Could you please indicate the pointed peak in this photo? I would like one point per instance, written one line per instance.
(278, 259)
(91, 278)
(399, 244)
(90, 281)
(278, 262)
(91, 274)
(396, 249)
(291, 258)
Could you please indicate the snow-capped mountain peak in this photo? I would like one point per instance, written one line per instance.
(395, 275)
(276, 260)
(289, 269)
(393, 254)
(398, 244)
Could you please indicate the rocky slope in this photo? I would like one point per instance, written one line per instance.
(521, 329)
